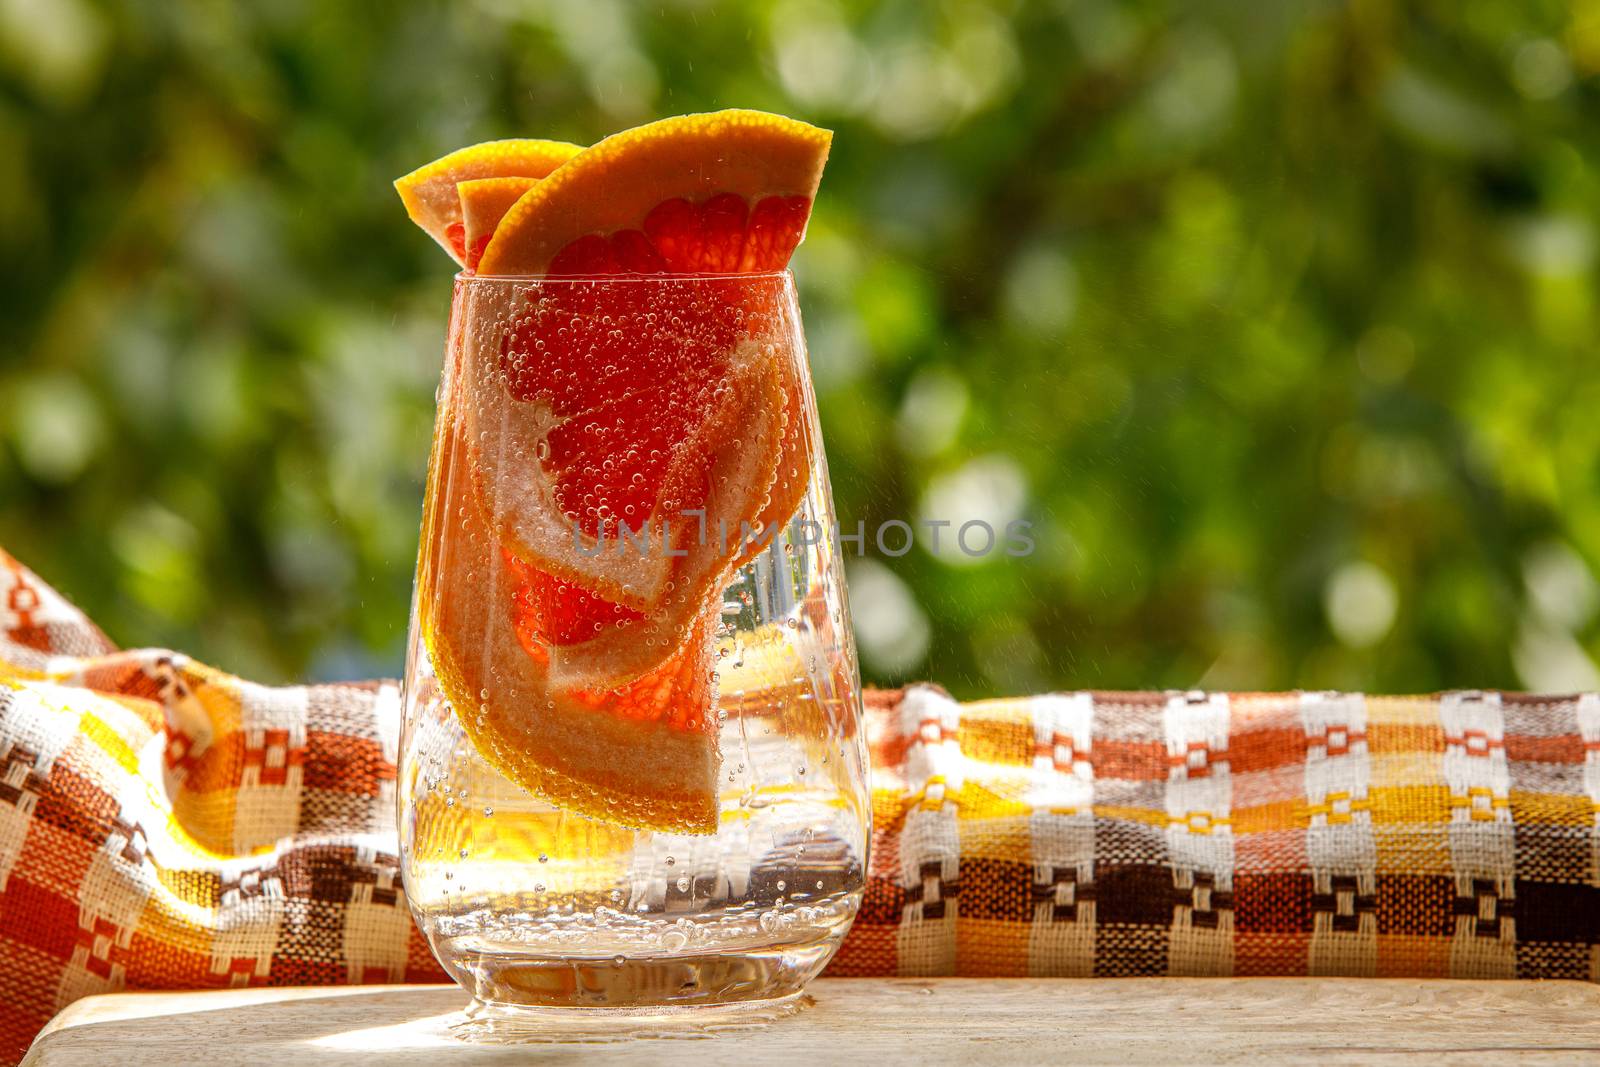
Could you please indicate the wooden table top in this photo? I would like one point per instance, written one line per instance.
(880, 1023)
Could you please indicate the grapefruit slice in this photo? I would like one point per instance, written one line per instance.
(484, 202)
(726, 192)
(560, 452)
(429, 192)
(721, 193)
(641, 755)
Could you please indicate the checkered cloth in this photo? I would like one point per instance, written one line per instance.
(166, 825)
(1113, 834)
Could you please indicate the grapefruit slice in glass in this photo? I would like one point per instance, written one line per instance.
(683, 454)
(641, 755)
(429, 192)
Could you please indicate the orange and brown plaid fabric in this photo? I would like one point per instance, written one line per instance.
(1113, 834)
(166, 825)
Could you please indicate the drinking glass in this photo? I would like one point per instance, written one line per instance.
(539, 898)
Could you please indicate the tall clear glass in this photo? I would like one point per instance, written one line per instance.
(632, 772)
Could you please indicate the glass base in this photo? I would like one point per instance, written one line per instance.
(488, 1022)
(523, 985)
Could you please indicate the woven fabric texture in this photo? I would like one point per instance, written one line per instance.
(165, 825)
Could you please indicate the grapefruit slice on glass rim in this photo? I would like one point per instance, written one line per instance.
(587, 402)
(484, 202)
(430, 195)
(721, 193)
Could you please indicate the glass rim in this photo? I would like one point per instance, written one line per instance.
(471, 277)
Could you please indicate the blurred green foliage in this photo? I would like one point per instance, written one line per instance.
(1277, 320)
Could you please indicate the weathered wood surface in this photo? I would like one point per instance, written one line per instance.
(880, 1023)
